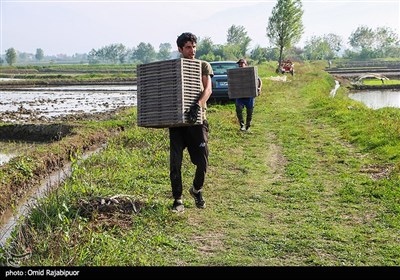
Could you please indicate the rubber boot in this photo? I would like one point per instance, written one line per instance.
(239, 114)
(249, 118)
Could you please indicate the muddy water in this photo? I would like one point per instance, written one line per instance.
(24, 105)
(377, 99)
(334, 90)
(10, 149)
(27, 104)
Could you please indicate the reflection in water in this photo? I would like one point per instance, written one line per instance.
(378, 98)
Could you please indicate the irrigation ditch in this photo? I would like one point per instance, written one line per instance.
(38, 144)
(41, 167)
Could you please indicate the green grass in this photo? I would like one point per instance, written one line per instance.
(315, 183)
(67, 73)
(377, 82)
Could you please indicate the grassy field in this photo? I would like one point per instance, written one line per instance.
(64, 74)
(315, 183)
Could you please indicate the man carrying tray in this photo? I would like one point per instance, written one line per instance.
(193, 137)
(247, 102)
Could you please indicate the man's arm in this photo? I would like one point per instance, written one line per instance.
(259, 85)
(205, 95)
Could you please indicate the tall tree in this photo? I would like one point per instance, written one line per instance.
(385, 39)
(164, 51)
(373, 43)
(362, 38)
(259, 54)
(144, 53)
(39, 54)
(285, 25)
(317, 48)
(237, 36)
(232, 52)
(325, 47)
(385, 36)
(11, 56)
(93, 57)
(205, 47)
(115, 53)
(334, 41)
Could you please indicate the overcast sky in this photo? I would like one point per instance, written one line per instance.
(69, 27)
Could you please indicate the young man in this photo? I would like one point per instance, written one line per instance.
(247, 102)
(194, 137)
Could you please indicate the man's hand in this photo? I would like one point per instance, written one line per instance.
(193, 113)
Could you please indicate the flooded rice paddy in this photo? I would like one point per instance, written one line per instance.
(44, 104)
(22, 106)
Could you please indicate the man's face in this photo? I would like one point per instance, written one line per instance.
(188, 50)
(242, 64)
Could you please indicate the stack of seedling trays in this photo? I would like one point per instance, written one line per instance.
(166, 90)
(242, 82)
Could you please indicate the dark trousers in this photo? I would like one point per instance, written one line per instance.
(240, 104)
(195, 139)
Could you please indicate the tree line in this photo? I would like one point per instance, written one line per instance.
(284, 31)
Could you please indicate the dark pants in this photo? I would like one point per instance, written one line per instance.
(249, 104)
(195, 139)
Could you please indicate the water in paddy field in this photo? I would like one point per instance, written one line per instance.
(23, 105)
(10, 149)
(377, 99)
(374, 99)
(27, 104)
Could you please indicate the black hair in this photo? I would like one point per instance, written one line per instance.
(186, 37)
